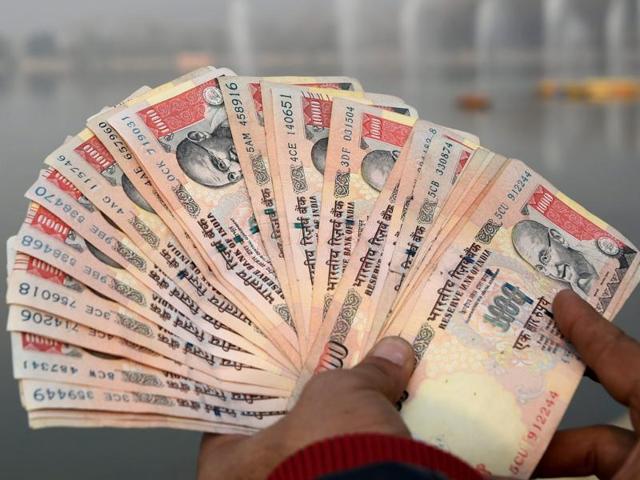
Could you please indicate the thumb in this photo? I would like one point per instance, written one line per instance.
(387, 367)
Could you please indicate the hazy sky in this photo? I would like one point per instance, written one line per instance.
(19, 18)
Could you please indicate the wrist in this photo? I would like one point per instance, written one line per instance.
(347, 452)
(262, 452)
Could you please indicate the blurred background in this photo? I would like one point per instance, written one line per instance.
(552, 82)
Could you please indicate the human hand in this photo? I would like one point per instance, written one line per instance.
(333, 403)
(604, 451)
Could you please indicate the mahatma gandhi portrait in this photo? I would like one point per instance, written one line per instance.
(319, 154)
(102, 257)
(134, 195)
(209, 158)
(376, 167)
(548, 251)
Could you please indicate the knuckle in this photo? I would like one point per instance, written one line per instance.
(374, 368)
(377, 373)
(382, 367)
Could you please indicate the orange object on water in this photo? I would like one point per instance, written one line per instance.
(474, 102)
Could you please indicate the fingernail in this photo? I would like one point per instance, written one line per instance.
(394, 349)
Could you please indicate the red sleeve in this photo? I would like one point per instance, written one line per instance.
(351, 451)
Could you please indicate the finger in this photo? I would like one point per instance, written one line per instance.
(387, 367)
(599, 450)
(589, 373)
(631, 468)
(613, 356)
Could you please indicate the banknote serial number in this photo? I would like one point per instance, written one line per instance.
(427, 145)
(115, 140)
(72, 170)
(99, 334)
(236, 104)
(26, 289)
(513, 194)
(47, 320)
(443, 159)
(60, 204)
(347, 132)
(137, 133)
(96, 275)
(535, 431)
(286, 107)
(44, 394)
(98, 312)
(102, 374)
(117, 397)
(50, 367)
(519, 186)
(241, 115)
(29, 242)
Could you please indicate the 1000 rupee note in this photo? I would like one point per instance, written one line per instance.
(297, 120)
(37, 394)
(47, 418)
(24, 319)
(491, 358)
(45, 237)
(298, 127)
(85, 162)
(182, 258)
(443, 165)
(184, 145)
(42, 358)
(444, 157)
(480, 173)
(60, 197)
(37, 284)
(363, 146)
(243, 101)
(345, 329)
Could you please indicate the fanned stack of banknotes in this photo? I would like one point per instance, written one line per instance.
(201, 249)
